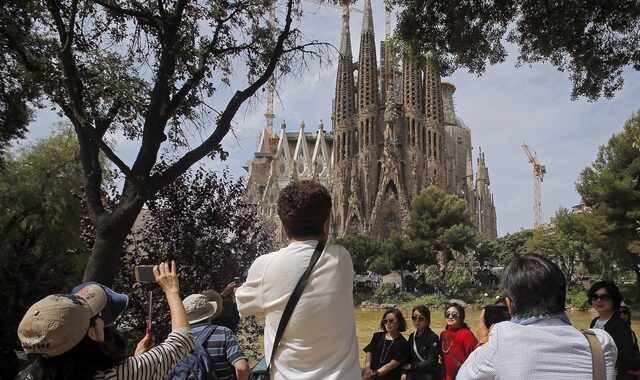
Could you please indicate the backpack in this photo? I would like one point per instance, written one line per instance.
(197, 365)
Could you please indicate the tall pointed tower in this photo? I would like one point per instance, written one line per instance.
(435, 127)
(415, 134)
(485, 209)
(368, 120)
(344, 129)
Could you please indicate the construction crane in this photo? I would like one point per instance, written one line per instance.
(269, 115)
(539, 171)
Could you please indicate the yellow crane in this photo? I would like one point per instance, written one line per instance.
(539, 171)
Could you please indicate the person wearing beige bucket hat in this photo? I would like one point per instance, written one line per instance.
(63, 334)
(220, 343)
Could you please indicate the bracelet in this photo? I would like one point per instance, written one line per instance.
(375, 373)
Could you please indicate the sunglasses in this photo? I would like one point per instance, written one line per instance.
(451, 314)
(417, 318)
(602, 297)
(388, 321)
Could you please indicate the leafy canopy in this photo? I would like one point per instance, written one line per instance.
(611, 188)
(439, 222)
(40, 247)
(593, 41)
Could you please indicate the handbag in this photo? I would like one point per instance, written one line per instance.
(261, 370)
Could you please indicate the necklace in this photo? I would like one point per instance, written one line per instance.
(447, 339)
(384, 355)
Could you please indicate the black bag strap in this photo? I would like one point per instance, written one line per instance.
(293, 300)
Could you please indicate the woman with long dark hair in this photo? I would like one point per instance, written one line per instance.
(457, 340)
(388, 349)
(424, 348)
(64, 335)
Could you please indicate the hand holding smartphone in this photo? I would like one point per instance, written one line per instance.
(495, 313)
(144, 274)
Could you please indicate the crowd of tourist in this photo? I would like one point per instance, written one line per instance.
(70, 336)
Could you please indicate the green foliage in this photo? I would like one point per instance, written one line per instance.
(505, 248)
(610, 187)
(381, 265)
(449, 281)
(362, 249)
(387, 293)
(592, 41)
(40, 247)
(577, 298)
(436, 301)
(439, 222)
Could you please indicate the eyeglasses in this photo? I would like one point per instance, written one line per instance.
(602, 297)
(451, 314)
(417, 318)
(388, 321)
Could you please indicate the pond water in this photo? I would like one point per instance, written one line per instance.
(368, 322)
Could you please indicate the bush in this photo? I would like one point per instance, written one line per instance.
(434, 301)
(387, 293)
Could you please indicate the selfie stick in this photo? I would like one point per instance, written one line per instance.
(148, 330)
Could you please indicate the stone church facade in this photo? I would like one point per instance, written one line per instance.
(385, 147)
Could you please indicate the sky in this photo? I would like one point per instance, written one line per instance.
(503, 108)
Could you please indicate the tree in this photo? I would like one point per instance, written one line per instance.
(450, 281)
(507, 247)
(40, 247)
(611, 188)
(592, 40)
(155, 72)
(202, 222)
(363, 250)
(439, 222)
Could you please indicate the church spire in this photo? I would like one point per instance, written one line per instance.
(344, 106)
(368, 67)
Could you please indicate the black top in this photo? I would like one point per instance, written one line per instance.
(383, 351)
(428, 346)
(622, 335)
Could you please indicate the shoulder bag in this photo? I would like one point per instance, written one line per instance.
(261, 370)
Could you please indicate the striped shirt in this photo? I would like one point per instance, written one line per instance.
(154, 364)
(223, 348)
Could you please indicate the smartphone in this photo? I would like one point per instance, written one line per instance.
(495, 313)
(144, 274)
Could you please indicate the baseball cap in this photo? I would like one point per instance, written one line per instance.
(198, 308)
(116, 302)
(57, 323)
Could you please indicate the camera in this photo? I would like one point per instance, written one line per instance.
(495, 314)
(144, 274)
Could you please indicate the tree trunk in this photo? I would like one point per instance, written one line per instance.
(111, 234)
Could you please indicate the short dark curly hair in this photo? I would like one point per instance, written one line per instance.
(304, 207)
(610, 287)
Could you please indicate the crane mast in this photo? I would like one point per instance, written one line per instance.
(539, 171)
(269, 115)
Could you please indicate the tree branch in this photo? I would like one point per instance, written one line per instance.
(224, 121)
(138, 14)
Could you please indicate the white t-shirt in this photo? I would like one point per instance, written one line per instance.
(320, 339)
(600, 324)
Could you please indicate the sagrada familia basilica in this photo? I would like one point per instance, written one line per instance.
(394, 132)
